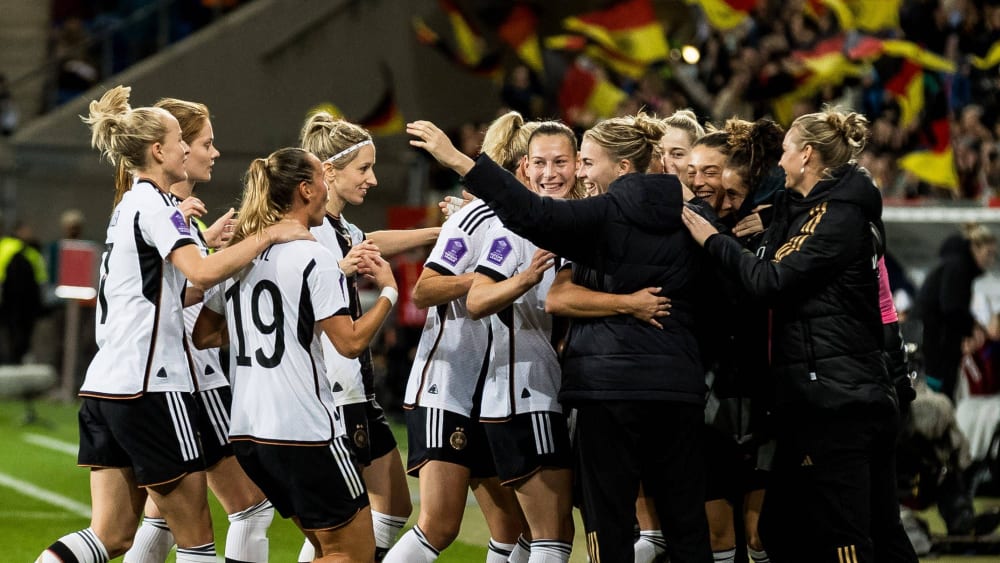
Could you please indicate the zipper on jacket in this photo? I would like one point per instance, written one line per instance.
(810, 353)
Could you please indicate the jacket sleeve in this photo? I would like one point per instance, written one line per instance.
(569, 228)
(956, 299)
(826, 244)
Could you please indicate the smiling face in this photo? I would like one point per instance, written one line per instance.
(551, 165)
(793, 158)
(203, 154)
(351, 184)
(676, 147)
(597, 169)
(734, 192)
(174, 151)
(704, 171)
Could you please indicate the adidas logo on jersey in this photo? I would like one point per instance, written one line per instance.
(433, 389)
(162, 374)
(209, 370)
(525, 394)
(337, 387)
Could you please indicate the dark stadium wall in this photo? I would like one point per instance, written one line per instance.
(260, 70)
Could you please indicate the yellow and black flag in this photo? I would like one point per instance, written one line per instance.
(467, 47)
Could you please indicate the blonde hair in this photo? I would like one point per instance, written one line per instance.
(633, 138)
(978, 235)
(269, 190)
(326, 136)
(506, 140)
(836, 136)
(687, 121)
(192, 116)
(123, 134)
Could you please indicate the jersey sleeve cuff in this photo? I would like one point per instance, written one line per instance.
(443, 270)
(491, 273)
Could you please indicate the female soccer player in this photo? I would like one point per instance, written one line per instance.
(524, 423)
(680, 130)
(250, 514)
(348, 156)
(135, 429)
(448, 449)
(283, 407)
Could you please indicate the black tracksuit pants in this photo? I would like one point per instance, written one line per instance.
(616, 445)
(832, 495)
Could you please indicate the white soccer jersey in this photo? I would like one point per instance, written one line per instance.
(524, 374)
(280, 390)
(207, 368)
(453, 348)
(140, 326)
(344, 373)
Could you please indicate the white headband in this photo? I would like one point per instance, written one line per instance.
(347, 151)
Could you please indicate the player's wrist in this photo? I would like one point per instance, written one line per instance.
(390, 293)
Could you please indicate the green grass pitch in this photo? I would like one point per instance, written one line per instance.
(43, 494)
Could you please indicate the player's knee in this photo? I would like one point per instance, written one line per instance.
(441, 533)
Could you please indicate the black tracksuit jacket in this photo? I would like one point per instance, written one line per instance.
(629, 238)
(819, 276)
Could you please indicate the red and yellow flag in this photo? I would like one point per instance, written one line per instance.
(628, 30)
(934, 162)
(587, 91)
(519, 31)
(725, 14)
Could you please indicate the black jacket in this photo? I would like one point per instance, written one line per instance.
(944, 304)
(627, 239)
(819, 276)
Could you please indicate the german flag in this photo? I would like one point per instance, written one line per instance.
(934, 162)
(586, 91)
(904, 81)
(725, 14)
(824, 65)
(385, 118)
(469, 51)
(519, 31)
(868, 48)
(628, 30)
(470, 47)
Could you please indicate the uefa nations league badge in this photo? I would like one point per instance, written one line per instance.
(499, 250)
(454, 250)
(180, 223)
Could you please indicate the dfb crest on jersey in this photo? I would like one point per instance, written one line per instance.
(458, 439)
(454, 250)
(360, 438)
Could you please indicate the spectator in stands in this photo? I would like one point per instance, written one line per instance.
(77, 70)
(944, 304)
